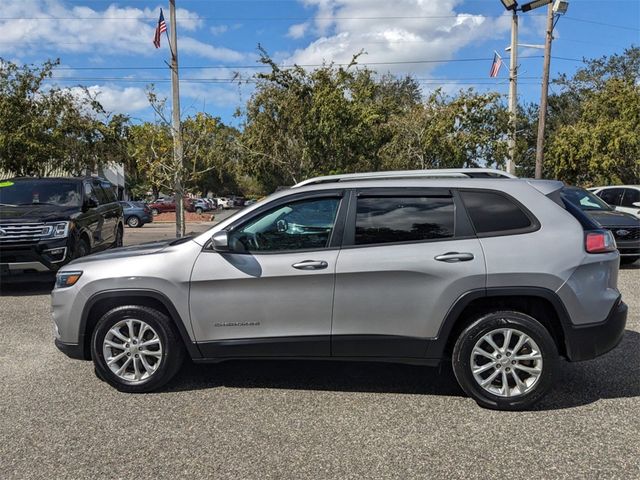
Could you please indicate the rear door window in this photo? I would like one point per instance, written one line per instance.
(382, 219)
(492, 212)
(613, 196)
(631, 196)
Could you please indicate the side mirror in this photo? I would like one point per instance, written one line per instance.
(636, 204)
(220, 241)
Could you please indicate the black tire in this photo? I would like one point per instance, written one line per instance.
(628, 260)
(133, 221)
(173, 351)
(467, 340)
(199, 211)
(154, 212)
(82, 248)
(119, 241)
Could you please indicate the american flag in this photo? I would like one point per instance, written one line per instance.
(495, 66)
(160, 29)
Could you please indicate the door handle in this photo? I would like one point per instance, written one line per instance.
(452, 257)
(311, 265)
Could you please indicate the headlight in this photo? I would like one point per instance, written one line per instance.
(67, 279)
(59, 229)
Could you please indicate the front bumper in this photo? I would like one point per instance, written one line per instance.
(42, 256)
(71, 350)
(589, 341)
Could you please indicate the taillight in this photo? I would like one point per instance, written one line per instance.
(600, 241)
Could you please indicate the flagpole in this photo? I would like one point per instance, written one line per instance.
(175, 123)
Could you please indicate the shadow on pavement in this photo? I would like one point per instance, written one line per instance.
(614, 375)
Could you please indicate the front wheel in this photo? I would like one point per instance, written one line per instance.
(154, 211)
(136, 349)
(505, 360)
(133, 221)
(199, 211)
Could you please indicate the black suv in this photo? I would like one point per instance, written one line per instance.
(47, 222)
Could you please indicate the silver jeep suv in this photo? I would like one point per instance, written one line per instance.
(498, 276)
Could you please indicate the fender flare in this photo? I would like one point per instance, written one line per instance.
(437, 349)
(191, 346)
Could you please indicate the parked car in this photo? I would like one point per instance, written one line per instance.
(500, 277)
(47, 222)
(213, 205)
(200, 205)
(162, 206)
(624, 227)
(224, 202)
(625, 198)
(250, 202)
(136, 214)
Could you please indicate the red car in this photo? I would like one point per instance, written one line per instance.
(162, 206)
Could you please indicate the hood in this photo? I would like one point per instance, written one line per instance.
(37, 213)
(614, 218)
(150, 248)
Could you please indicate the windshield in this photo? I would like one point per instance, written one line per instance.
(40, 192)
(584, 200)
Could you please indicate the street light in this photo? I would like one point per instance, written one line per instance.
(535, 4)
(510, 4)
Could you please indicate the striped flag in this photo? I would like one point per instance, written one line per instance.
(160, 29)
(495, 66)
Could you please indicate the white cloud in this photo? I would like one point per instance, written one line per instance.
(116, 99)
(298, 30)
(398, 31)
(49, 25)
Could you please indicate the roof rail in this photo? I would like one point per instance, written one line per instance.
(427, 173)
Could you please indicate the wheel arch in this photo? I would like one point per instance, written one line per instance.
(100, 303)
(542, 304)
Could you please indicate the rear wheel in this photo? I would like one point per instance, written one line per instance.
(136, 349)
(133, 221)
(154, 211)
(199, 211)
(119, 241)
(505, 360)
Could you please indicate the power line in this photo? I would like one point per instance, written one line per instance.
(364, 64)
(595, 22)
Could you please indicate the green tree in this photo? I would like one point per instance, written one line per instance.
(594, 123)
(466, 130)
(43, 129)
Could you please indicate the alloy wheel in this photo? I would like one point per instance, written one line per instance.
(132, 350)
(506, 362)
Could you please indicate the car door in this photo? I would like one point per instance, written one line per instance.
(272, 294)
(613, 196)
(630, 199)
(407, 256)
(92, 218)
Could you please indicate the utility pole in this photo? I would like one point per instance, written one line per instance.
(542, 116)
(513, 93)
(175, 124)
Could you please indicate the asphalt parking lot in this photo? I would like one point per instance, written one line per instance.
(303, 419)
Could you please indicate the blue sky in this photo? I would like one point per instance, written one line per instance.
(107, 46)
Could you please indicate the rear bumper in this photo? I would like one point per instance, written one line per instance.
(589, 341)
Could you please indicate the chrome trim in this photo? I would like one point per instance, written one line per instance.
(27, 266)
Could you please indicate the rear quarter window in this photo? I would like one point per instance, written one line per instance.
(492, 212)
